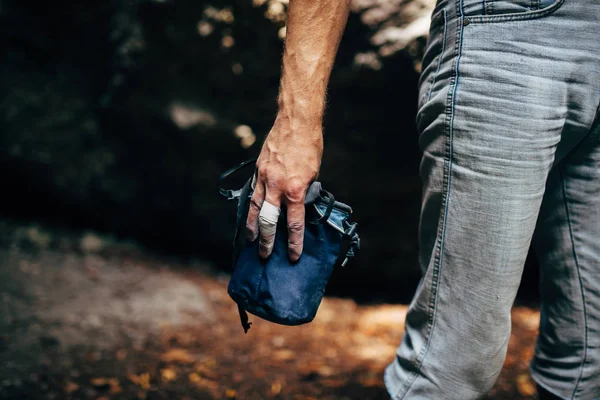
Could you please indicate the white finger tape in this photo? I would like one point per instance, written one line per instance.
(267, 219)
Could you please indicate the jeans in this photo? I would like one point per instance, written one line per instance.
(509, 126)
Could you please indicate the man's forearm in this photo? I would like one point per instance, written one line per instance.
(314, 30)
(291, 155)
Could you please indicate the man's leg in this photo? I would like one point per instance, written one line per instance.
(567, 241)
(492, 113)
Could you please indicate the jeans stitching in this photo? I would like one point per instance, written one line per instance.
(534, 14)
(585, 339)
(488, 7)
(450, 106)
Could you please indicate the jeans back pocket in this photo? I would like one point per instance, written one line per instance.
(482, 8)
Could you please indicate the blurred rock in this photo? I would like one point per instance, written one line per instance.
(91, 243)
(396, 25)
(37, 237)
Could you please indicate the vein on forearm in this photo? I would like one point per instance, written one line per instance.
(314, 30)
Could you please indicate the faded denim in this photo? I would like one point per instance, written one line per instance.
(509, 126)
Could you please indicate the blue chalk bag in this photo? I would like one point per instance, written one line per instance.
(277, 289)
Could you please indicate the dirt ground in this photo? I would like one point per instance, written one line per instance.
(102, 322)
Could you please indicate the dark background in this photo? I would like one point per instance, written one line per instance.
(118, 116)
(116, 119)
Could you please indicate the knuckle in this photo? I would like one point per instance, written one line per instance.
(273, 180)
(268, 175)
(255, 204)
(296, 227)
(295, 246)
(263, 171)
(295, 189)
(267, 240)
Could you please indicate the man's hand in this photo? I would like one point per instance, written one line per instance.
(288, 163)
(291, 155)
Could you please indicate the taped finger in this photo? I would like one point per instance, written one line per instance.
(267, 223)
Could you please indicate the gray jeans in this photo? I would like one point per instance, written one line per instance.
(509, 126)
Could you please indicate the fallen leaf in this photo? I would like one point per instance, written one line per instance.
(115, 386)
(325, 371)
(278, 341)
(206, 371)
(230, 393)
(121, 354)
(142, 380)
(209, 362)
(205, 384)
(525, 386)
(167, 374)
(194, 377)
(71, 387)
(177, 355)
(99, 382)
(375, 351)
(275, 388)
(526, 355)
(284, 355)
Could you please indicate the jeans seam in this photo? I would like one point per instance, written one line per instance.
(450, 107)
(577, 268)
(597, 115)
(440, 56)
(522, 16)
